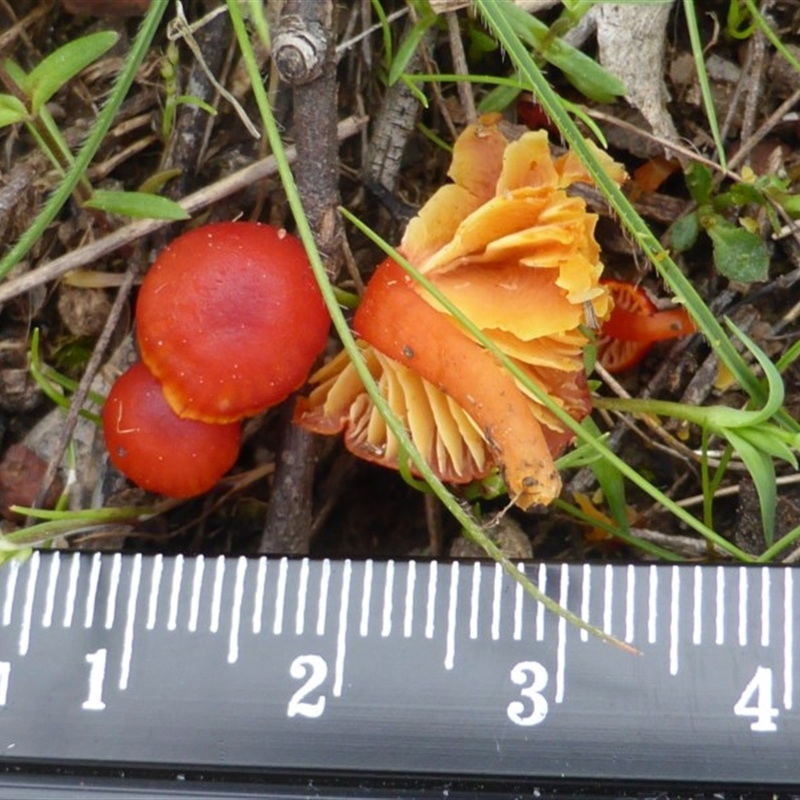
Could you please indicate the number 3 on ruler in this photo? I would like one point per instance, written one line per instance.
(532, 677)
(313, 670)
(756, 701)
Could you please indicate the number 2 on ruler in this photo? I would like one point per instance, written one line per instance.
(756, 701)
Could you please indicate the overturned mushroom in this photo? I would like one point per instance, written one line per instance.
(516, 254)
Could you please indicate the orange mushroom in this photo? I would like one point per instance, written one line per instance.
(515, 254)
(635, 325)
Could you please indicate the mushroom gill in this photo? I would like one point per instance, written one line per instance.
(508, 247)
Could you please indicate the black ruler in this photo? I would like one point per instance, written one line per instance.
(395, 670)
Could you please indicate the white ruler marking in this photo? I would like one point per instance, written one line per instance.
(719, 608)
(280, 597)
(197, 590)
(697, 606)
(324, 584)
(341, 638)
(586, 593)
(430, 610)
(72, 591)
(27, 608)
(497, 601)
(561, 646)
(155, 587)
(91, 596)
(743, 591)
(652, 604)
(518, 598)
(674, 620)
(630, 603)
(408, 616)
(388, 588)
(765, 606)
(788, 642)
(608, 599)
(452, 609)
(302, 593)
(258, 598)
(175, 592)
(130, 619)
(216, 595)
(366, 597)
(474, 600)
(113, 588)
(236, 611)
(50, 596)
(11, 588)
(542, 586)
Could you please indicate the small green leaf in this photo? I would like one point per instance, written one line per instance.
(11, 110)
(699, 182)
(738, 254)
(684, 232)
(136, 204)
(790, 203)
(64, 64)
(744, 193)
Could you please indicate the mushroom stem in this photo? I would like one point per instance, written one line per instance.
(396, 321)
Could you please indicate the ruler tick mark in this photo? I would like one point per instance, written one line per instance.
(302, 593)
(50, 596)
(608, 599)
(324, 588)
(452, 610)
(674, 620)
(72, 591)
(743, 592)
(216, 597)
(430, 611)
(652, 604)
(130, 619)
(155, 586)
(497, 601)
(11, 588)
(518, 598)
(719, 608)
(765, 606)
(408, 615)
(175, 591)
(586, 593)
(341, 638)
(475, 600)
(697, 606)
(258, 599)
(366, 597)
(630, 603)
(91, 596)
(197, 589)
(27, 608)
(561, 644)
(236, 610)
(788, 638)
(280, 597)
(541, 584)
(388, 588)
(113, 588)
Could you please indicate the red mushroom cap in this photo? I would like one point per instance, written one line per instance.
(230, 320)
(158, 450)
(635, 325)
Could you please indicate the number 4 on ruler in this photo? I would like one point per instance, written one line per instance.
(756, 701)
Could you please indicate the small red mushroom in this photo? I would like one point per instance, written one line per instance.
(230, 320)
(158, 450)
(635, 324)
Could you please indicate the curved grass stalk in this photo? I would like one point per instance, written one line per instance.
(472, 528)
